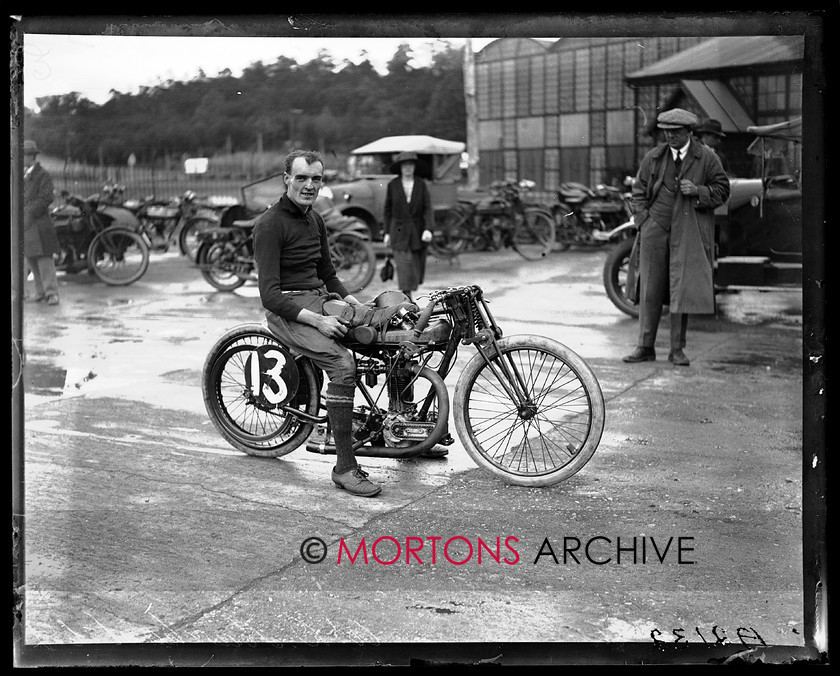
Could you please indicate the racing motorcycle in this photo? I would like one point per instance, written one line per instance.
(98, 240)
(585, 216)
(526, 408)
(225, 253)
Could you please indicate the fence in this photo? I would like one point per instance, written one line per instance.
(143, 181)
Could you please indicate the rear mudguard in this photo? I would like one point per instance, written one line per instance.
(220, 233)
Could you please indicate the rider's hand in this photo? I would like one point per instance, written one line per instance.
(332, 327)
(426, 236)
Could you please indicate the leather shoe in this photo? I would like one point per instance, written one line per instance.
(640, 354)
(678, 358)
(355, 481)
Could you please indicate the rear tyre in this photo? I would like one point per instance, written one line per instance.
(452, 234)
(188, 241)
(354, 260)
(533, 235)
(118, 256)
(243, 421)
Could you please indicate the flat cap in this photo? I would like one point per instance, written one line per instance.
(676, 118)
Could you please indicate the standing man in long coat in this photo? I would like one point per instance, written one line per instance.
(39, 239)
(679, 185)
(407, 222)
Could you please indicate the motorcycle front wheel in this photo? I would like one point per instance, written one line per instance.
(354, 260)
(243, 421)
(188, 241)
(533, 414)
(118, 256)
(216, 261)
(533, 234)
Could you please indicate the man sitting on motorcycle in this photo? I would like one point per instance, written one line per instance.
(296, 279)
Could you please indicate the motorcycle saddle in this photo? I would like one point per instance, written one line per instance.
(574, 192)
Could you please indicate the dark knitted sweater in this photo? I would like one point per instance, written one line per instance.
(292, 254)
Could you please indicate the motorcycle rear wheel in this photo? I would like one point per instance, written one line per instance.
(453, 232)
(188, 241)
(118, 256)
(354, 260)
(548, 437)
(533, 235)
(242, 422)
(214, 259)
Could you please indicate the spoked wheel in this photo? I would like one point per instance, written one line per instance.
(216, 261)
(188, 241)
(453, 233)
(118, 256)
(249, 422)
(532, 416)
(533, 235)
(615, 277)
(354, 260)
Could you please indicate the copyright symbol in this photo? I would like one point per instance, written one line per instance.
(313, 550)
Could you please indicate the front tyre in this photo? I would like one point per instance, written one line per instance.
(217, 260)
(245, 421)
(118, 256)
(533, 415)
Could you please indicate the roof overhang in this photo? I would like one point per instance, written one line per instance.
(719, 103)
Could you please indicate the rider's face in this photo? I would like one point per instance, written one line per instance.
(303, 184)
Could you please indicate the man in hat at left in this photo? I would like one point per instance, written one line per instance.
(407, 222)
(39, 239)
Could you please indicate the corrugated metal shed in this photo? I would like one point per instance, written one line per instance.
(724, 53)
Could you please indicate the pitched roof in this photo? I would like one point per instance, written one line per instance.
(725, 53)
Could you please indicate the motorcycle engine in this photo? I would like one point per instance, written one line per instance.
(399, 431)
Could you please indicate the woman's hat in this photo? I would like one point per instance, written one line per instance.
(711, 127)
(30, 148)
(402, 157)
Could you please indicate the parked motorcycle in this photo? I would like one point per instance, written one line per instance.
(225, 253)
(526, 408)
(92, 239)
(500, 219)
(758, 232)
(166, 222)
(584, 215)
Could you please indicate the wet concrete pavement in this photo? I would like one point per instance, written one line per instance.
(144, 527)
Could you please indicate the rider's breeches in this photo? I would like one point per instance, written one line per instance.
(654, 283)
(43, 274)
(328, 354)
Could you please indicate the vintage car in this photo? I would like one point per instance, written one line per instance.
(758, 232)
(363, 197)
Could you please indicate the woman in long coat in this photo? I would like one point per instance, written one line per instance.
(39, 239)
(408, 220)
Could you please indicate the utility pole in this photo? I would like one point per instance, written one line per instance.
(472, 117)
